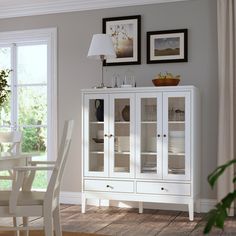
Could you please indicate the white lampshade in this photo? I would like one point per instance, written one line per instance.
(101, 44)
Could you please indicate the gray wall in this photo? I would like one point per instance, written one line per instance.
(75, 71)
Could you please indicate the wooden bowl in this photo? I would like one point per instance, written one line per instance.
(165, 82)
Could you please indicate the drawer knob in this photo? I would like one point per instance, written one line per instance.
(109, 186)
(164, 189)
(158, 135)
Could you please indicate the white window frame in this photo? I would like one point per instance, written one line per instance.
(48, 35)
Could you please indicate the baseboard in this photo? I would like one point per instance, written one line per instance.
(75, 198)
(70, 198)
(207, 204)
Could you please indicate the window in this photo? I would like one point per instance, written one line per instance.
(31, 107)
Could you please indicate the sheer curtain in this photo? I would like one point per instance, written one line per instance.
(226, 17)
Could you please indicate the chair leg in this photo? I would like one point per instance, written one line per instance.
(25, 224)
(15, 224)
(57, 221)
(48, 224)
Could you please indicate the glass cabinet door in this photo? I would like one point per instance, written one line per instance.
(95, 133)
(176, 135)
(149, 136)
(121, 135)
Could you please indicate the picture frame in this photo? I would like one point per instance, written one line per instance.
(125, 32)
(167, 46)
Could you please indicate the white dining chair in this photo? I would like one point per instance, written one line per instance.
(13, 138)
(24, 202)
(11, 143)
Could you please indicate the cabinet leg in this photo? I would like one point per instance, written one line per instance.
(83, 203)
(191, 210)
(140, 207)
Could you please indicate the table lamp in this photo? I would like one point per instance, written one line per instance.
(101, 48)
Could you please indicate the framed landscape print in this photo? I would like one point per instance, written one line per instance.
(167, 46)
(126, 38)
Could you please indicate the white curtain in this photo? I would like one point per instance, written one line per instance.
(226, 23)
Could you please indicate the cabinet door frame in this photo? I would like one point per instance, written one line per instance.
(158, 174)
(86, 137)
(187, 175)
(112, 97)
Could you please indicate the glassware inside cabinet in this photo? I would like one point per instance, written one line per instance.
(176, 136)
(96, 135)
(176, 109)
(122, 135)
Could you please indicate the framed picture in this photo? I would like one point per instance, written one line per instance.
(126, 37)
(167, 46)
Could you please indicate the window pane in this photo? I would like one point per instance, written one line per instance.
(40, 181)
(96, 135)
(176, 140)
(5, 63)
(32, 64)
(35, 141)
(5, 58)
(5, 113)
(5, 184)
(122, 135)
(32, 108)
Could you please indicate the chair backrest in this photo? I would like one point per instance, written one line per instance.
(53, 188)
(13, 139)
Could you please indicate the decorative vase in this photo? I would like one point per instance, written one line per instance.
(99, 105)
(126, 113)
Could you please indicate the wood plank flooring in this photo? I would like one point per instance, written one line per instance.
(128, 222)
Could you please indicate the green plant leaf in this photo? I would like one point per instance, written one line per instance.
(220, 217)
(216, 217)
(229, 199)
(211, 218)
(213, 177)
(234, 179)
(4, 91)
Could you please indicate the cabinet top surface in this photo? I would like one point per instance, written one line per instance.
(141, 89)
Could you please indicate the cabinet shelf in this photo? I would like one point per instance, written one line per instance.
(176, 122)
(144, 170)
(148, 122)
(176, 154)
(96, 152)
(122, 153)
(97, 122)
(148, 153)
(176, 171)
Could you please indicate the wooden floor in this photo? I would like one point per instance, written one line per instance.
(127, 222)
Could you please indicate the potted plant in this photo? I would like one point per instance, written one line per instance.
(4, 87)
(217, 216)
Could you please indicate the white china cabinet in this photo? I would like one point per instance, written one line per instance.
(142, 144)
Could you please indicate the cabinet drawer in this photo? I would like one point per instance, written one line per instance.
(109, 186)
(164, 188)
